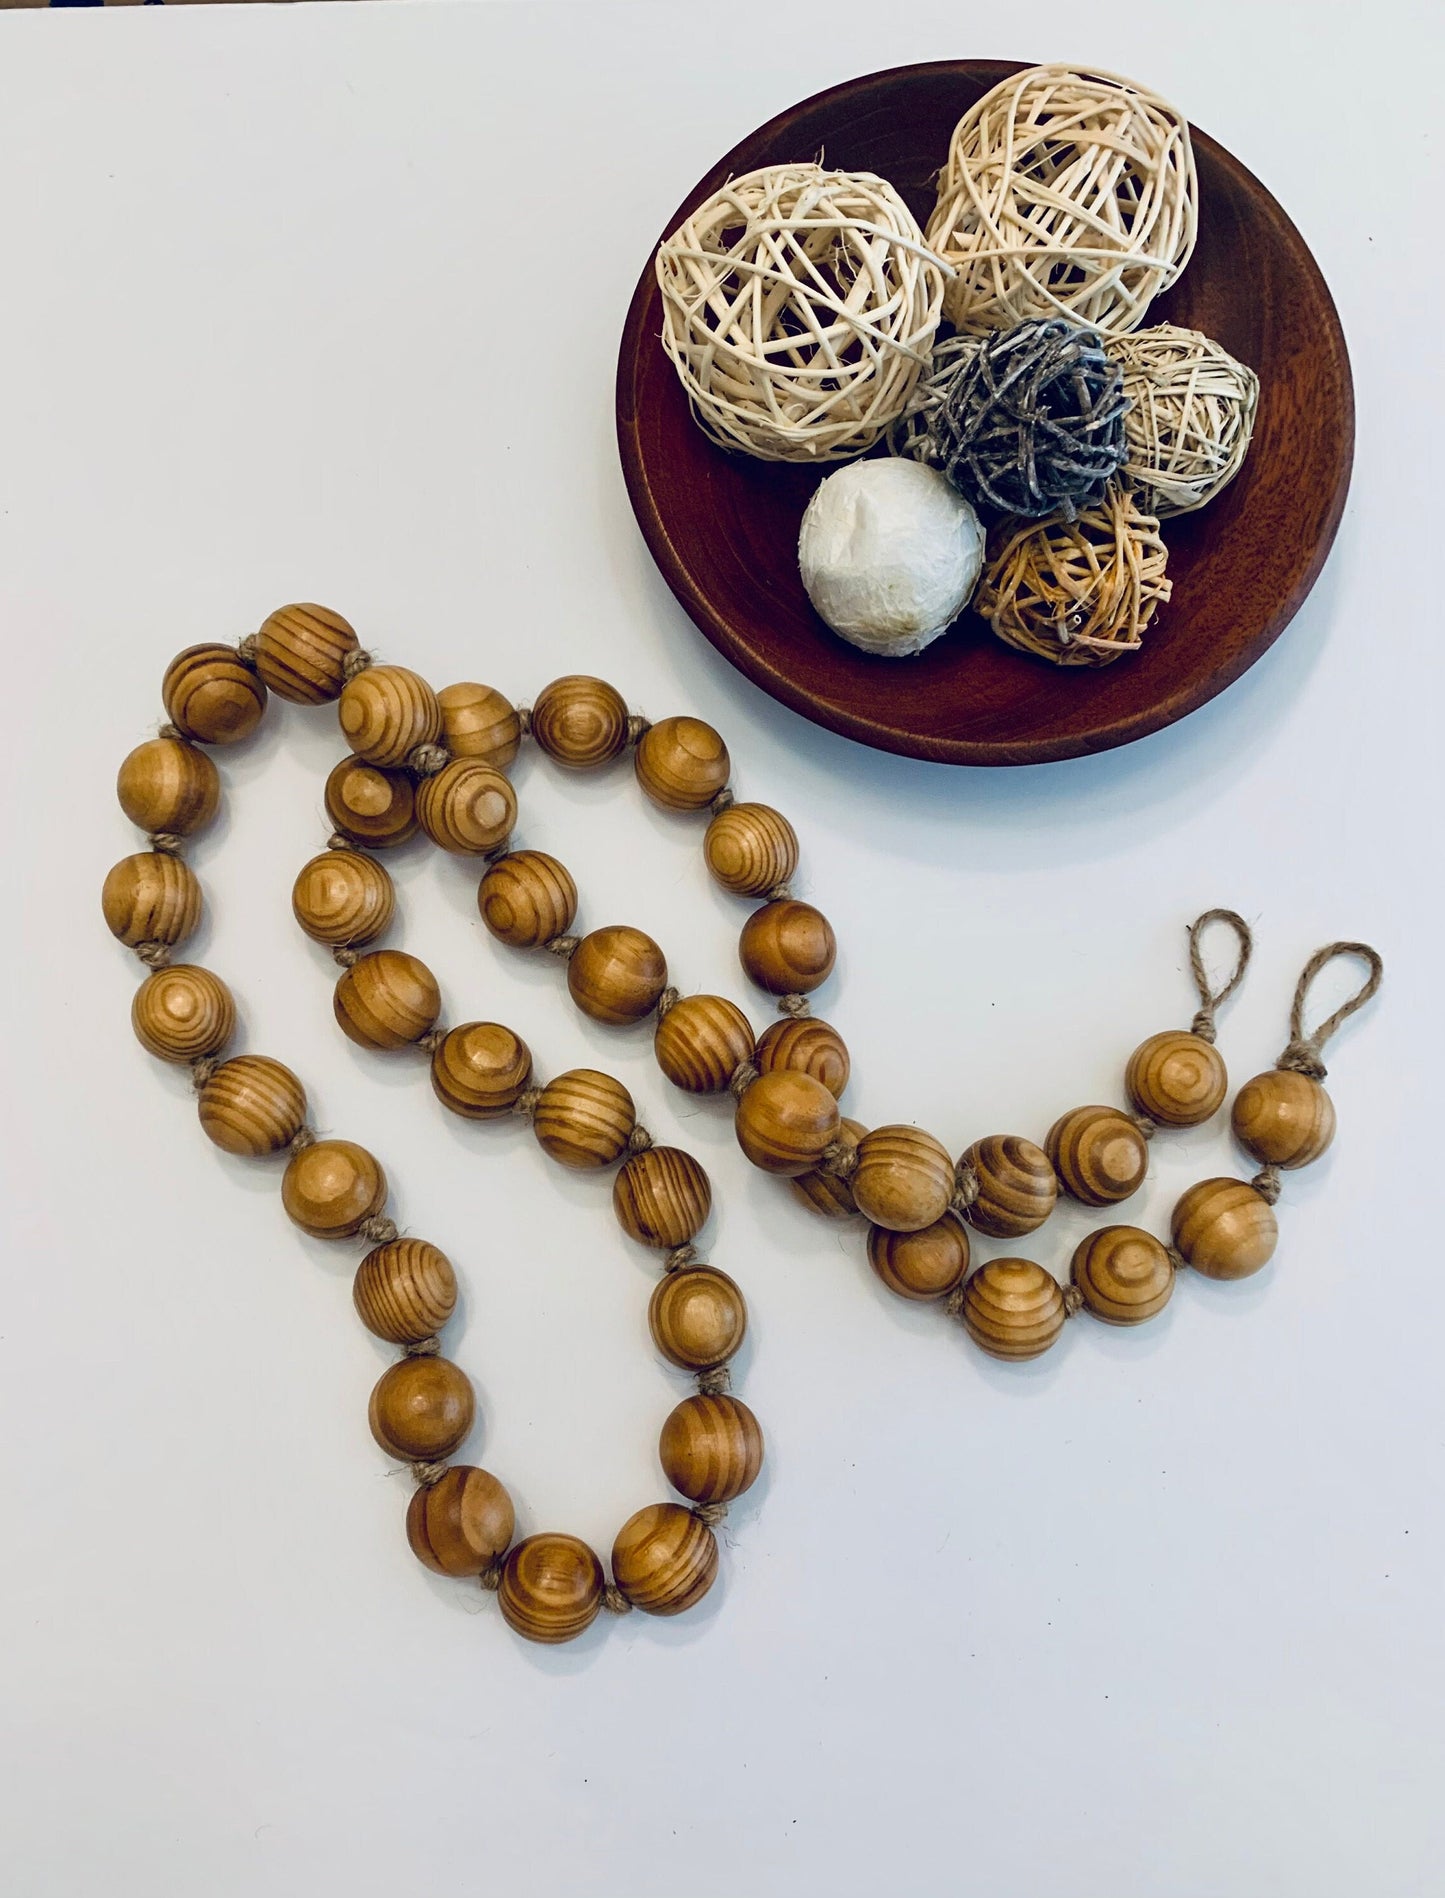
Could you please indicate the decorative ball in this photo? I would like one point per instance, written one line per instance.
(911, 434)
(370, 806)
(920, 1265)
(477, 722)
(183, 1013)
(664, 1559)
(786, 1122)
(750, 849)
(1013, 1309)
(808, 1046)
(798, 306)
(343, 898)
(421, 1408)
(527, 899)
(1280, 1118)
(462, 1523)
(1225, 1229)
(701, 1041)
(697, 1317)
(551, 1588)
(1190, 417)
(301, 653)
(1123, 1274)
(711, 1448)
(787, 947)
(1016, 1186)
(1176, 1078)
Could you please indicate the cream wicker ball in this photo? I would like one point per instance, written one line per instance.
(799, 307)
(1190, 416)
(1065, 194)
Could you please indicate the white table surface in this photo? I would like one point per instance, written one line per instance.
(322, 303)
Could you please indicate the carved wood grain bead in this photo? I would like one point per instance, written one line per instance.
(1013, 1309)
(369, 805)
(828, 1193)
(301, 653)
(1176, 1078)
(404, 1290)
(786, 1122)
(616, 974)
(151, 897)
(551, 1588)
(1099, 1155)
(462, 1523)
(580, 722)
(750, 849)
(252, 1105)
(467, 807)
(698, 1317)
(386, 712)
(664, 1559)
(904, 1178)
(1124, 1274)
(386, 1000)
(183, 1013)
(1016, 1186)
(807, 1046)
(923, 1264)
(662, 1197)
(211, 696)
(168, 784)
(700, 1042)
(421, 1409)
(477, 722)
(682, 764)
(1225, 1229)
(711, 1448)
(1283, 1119)
(331, 1188)
(343, 898)
(527, 899)
(787, 947)
(584, 1119)
(480, 1070)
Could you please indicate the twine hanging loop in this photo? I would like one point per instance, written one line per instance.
(1210, 998)
(1302, 1055)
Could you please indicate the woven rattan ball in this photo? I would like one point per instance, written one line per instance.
(912, 434)
(799, 307)
(1190, 416)
(1065, 194)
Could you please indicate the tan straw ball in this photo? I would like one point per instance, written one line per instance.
(1190, 416)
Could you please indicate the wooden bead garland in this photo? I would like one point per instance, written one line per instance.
(701, 1041)
(211, 695)
(169, 785)
(481, 1070)
(807, 1046)
(404, 1290)
(152, 897)
(387, 999)
(477, 722)
(371, 806)
(332, 1188)
(664, 1559)
(386, 713)
(251, 1105)
(343, 898)
(301, 653)
(616, 975)
(467, 807)
(462, 1523)
(682, 764)
(750, 849)
(183, 1013)
(527, 899)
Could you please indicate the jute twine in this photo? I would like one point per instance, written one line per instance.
(1303, 1053)
(1190, 416)
(1211, 998)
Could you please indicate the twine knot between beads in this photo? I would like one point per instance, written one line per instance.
(248, 650)
(426, 1474)
(667, 1001)
(1302, 1055)
(1073, 1301)
(167, 842)
(614, 1601)
(202, 1069)
(432, 1039)
(356, 661)
(524, 721)
(490, 1578)
(1267, 1183)
(840, 1159)
(796, 1007)
(155, 955)
(303, 1138)
(424, 1347)
(741, 1079)
(639, 1140)
(563, 947)
(1176, 1258)
(338, 840)
(377, 1229)
(1147, 1127)
(965, 1187)
(712, 1383)
(347, 958)
(722, 800)
(525, 1104)
(637, 728)
(953, 1304)
(426, 760)
(712, 1514)
(680, 1257)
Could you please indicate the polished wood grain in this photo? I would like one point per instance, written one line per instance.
(331, 1188)
(386, 712)
(480, 1070)
(662, 1197)
(477, 722)
(1099, 1155)
(369, 805)
(1225, 1229)
(698, 1317)
(388, 999)
(711, 1448)
(151, 897)
(183, 1013)
(1176, 1078)
(462, 1523)
(1124, 1274)
(170, 785)
(421, 1409)
(343, 898)
(787, 947)
(252, 1105)
(904, 1178)
(807, 1046)
(616, 975)
(682, 764)
(1013, 1309)
(404, 1290)
(1283, 1119)
(584, 1119)
(828, 1193)
(551, 1588)
(700, 1042)
(750, 849)
(467, 807)
(527, 899)
(786, 1122)
(212, 696)
(1017, 1187)
(664, 1559)
(301, 653)
(920, 1265)
(580, 722)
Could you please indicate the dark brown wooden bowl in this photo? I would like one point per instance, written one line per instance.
(724, 528)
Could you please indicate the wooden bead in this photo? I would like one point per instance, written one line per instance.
(1284, 1119)
(786, 1122)
(387, 1000)
(616, 975)
(923, 1264)
(527, 899)
(830, 1193)
(1125, 1275)
(343, 898)
(1099, 1155)
(808, 1046)
(167, 784)
(331, 1188)
(1013, 1308)
(467, 807)
(369, 805)
(551, 1588)
(682, 764)
(697, 1317)
(421, 1409)
(664, 1559)
(701, 1041)
(584, 1119)
(1225, 1229)
(1016, 1186)
(405, 1290)
(210, 695)
(903, 1179)
(750, 849)
(662, 1197)
(1176, 1078)
(711, 1448)
(386, 712)
(183, 1013)
(462, 1523)
(480, 1070)
(151, 897)
(580, 722)
(252, 1105)
(787, 948)
(477, 722)
(301, 653)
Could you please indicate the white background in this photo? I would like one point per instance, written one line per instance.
(323, 304)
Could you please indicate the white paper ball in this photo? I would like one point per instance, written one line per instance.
(889, 552)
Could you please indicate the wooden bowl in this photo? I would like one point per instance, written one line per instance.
(724, 528)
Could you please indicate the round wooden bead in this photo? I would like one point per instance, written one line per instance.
(210, 695)
(711, 1448)
(580, 722)
(343, 898)
(462, 1523)
(664, 1559)
(1016, 1186)
(1176, 1078)
(421, 1409)
(1225, 1229)
(386, 712)
(787, 948)
(387, 1000)
(480, 1070)
(183, 1013)
(786, 1122)
(697, 1317)
(1283, 1119)
(477, 722)
(750, 849)
(808, 1046)
(369, 805)
(467, 807)
(830, 1193)
(405, 1290)
(616, 974)
(151, 897)
(551, 1588)
(331, 1188)
(923, 1264)
(527, 899)
(1013, 1308)
(167, 784)
(301, 653)
(584, 1119)
(903, 1179)
(1099, 1155)
(682, 764)
(662, 1197)
(1125, 1275)
(701, 1041)
(252, 1105)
